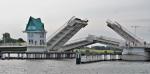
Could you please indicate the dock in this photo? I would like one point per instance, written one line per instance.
(37, 55)
(81, 59)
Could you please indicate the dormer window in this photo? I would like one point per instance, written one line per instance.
(31, 28)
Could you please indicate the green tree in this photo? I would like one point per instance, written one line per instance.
(7, 39)
(20, 40)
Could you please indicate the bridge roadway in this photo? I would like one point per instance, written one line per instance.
(91, 39)
(131, 38)
(13, 47)
(63, 34)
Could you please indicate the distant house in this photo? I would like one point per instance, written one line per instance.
(36, 35)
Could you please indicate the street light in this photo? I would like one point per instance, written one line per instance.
(135, 27)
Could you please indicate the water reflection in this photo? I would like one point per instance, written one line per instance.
(69, 67)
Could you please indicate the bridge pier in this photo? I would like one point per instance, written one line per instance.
(135, 54)
(148, 53)
(98, 57)
(105, 57)
(113, 57)
(1, 54)
(78, 58)
(149, 56)
(8, 55)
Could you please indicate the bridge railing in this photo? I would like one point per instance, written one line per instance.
(88, 38)
(111, 39)
(59, 29)
(12, 44)
(75, 40)
(128, 32)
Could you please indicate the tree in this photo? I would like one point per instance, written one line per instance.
(6, 36)
(87, 52)
(7, 39)
(20, 40)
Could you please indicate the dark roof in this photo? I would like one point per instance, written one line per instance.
(35, 25)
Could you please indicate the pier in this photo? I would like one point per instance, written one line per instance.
(37, 55)
(81, 59)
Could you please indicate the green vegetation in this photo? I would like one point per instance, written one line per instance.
(14, 49)
(101, 51)
(98, 50)
(7, 39)
(95, 51)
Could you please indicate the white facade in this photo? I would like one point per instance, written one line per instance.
(36, 42)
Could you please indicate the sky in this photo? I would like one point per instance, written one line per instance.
(14, 15)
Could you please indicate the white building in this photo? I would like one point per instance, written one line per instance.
(36, 35)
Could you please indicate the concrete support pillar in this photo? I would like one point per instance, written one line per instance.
(18, 55)
(78, 58)
(22, 55)
(27, 55)
(105, 57)
(8, 55)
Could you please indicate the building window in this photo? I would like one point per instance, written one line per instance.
(42, 35)
(30, 41)
(40, 42)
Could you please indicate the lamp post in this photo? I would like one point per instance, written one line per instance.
(135, 28)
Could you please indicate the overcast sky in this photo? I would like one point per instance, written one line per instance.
(14, 15)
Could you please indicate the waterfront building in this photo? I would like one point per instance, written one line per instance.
(36, 35)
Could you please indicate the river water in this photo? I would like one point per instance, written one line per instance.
(69, 67)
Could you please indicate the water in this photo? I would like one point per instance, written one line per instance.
(69, 67)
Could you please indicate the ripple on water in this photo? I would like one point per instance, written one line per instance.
(69, 67)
